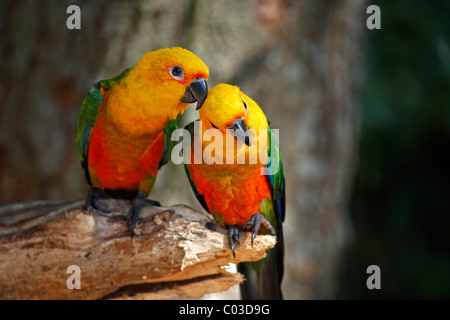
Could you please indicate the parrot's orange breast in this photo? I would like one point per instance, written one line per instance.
(233, 191)
(117, 161)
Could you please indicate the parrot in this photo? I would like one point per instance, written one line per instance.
(238, 194)
(125, 123)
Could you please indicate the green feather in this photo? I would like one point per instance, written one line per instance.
(277, 178)
(263, 277)
(170, 127)
(89, 111)
(88, 116)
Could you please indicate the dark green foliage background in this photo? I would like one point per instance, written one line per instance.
(400, 208)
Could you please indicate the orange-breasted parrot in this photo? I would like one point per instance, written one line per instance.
(125, 124)
(241, 195)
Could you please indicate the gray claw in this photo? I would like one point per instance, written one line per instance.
(133, 215)
(233, 236)
(93, 201)
(255, 223)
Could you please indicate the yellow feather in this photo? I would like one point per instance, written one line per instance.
(224, 105)
(149, 96)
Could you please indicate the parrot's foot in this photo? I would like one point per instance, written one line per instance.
(93, 200)
(233, 236)
(133, 215)
(255, 223)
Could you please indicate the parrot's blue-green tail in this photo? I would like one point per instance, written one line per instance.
(263, 278)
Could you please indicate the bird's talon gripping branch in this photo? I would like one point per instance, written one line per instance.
(233, 236)
(133, 216)
(93, 201)
(135, 210)
(255, 223)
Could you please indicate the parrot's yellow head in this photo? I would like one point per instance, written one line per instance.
(227, 107)
(159, 88)
(176, 77)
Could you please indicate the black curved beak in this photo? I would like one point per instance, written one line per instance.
(196, 91)
(241, 131)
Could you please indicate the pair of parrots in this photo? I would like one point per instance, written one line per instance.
(124, 137)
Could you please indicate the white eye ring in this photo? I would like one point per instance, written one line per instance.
(177, 73)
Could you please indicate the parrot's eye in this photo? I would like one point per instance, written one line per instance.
(213, 125)
(245, 105)
(177, 73)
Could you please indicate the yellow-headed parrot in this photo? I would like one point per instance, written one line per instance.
(240, 194)
(125, 124)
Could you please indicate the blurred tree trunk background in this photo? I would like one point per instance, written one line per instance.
(300, 60)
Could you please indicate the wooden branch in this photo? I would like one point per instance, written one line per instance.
(177, 252)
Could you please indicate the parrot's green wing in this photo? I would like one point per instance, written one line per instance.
(88, 116)
(263, 278)
(276, 175)
(170, 127)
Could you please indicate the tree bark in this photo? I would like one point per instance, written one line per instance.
(174, 254)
